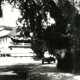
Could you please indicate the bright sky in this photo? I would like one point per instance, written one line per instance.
(10, 15)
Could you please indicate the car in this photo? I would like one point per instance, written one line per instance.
(49, 59)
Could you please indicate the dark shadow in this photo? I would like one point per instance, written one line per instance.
(45, 69)
(12, 77)
(46, 72)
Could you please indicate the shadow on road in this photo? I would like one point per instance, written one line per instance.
(37, 72)
(49, 72)
(11, 76)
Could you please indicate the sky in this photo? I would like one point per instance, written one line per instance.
(10, 15)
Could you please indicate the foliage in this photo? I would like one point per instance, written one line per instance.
(63, 34)
(33, 12)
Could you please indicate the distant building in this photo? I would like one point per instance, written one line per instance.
(4, 38)
(9, 48)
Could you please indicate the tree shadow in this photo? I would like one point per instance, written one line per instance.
(12, 76)
(46, 68)
(46, 72)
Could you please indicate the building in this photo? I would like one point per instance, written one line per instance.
(9, 48)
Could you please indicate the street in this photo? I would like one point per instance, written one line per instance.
(38, 71)
(9, 66)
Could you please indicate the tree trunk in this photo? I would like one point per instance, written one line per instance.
(71, 61)
(65, 63)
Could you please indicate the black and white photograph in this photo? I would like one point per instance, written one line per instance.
(39, 39)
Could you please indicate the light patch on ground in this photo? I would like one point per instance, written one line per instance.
(17, 60)
(8, 73)
(49, 65)
(67, 74)
(77, 77)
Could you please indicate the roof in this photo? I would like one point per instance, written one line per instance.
(6, 27)
(5, 31)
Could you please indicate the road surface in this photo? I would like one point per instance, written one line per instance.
(38, 70)
(10, 66)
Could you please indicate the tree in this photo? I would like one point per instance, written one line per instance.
(64, 34)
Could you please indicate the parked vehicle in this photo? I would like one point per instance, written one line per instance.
(50, 59)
